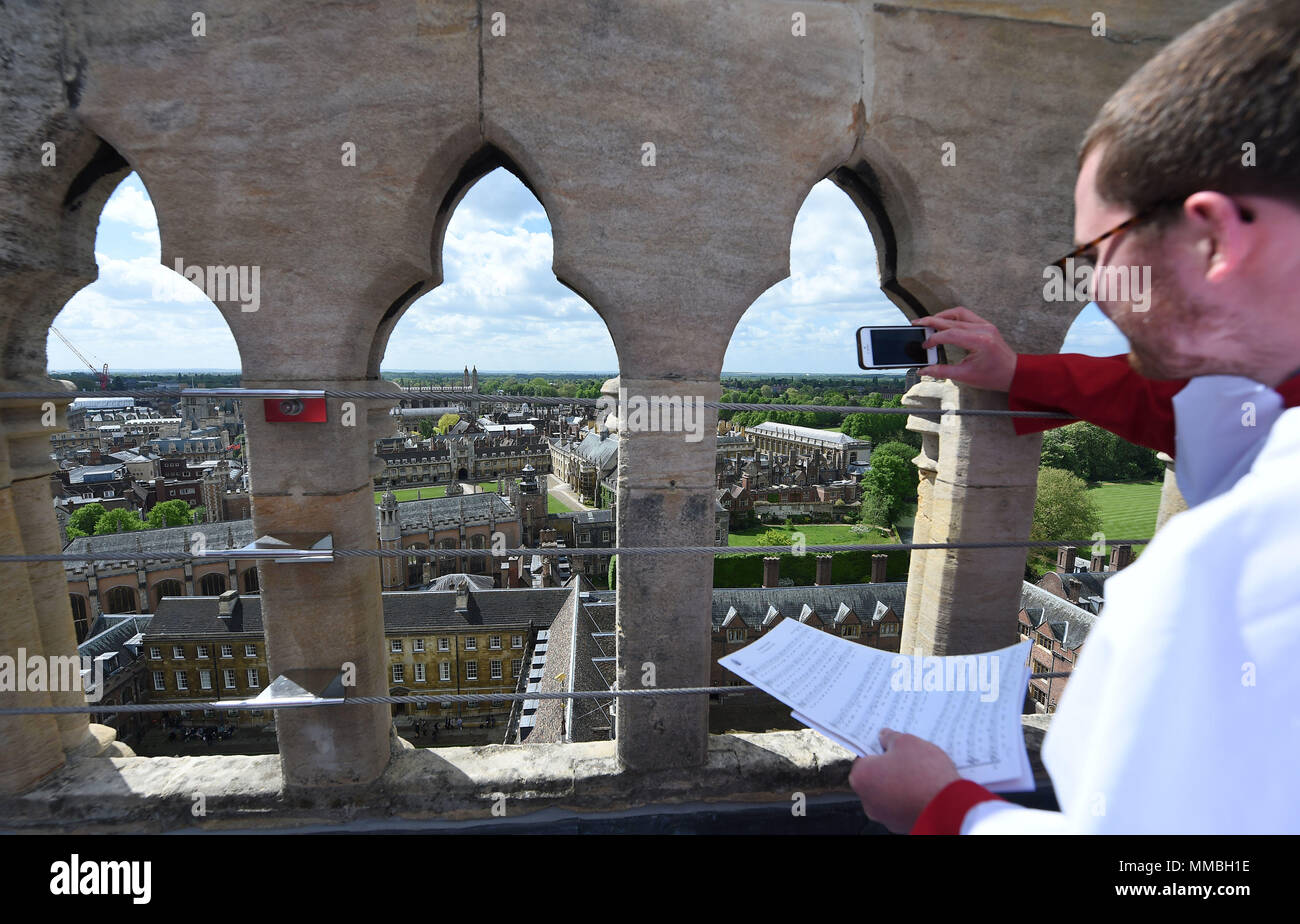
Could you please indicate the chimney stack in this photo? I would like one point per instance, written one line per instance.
(462, 597)
(771, 571)
(823, 570)
(226, 603)
(1121, 557)
(878, 563)
(1065, 558)
(1097, 563)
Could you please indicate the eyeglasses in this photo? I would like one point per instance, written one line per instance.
(1124, 225)
(1247, 215)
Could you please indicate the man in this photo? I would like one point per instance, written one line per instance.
(1183, 714)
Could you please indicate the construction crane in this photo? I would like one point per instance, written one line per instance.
(103, 376)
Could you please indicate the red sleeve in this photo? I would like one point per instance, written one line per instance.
(1103, 390)
(946, 811)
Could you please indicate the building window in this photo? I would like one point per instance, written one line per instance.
(494, 641)
(735, 635)
(178, 653)
(444, 644)
(471, 643)
(205, 680)
(228, 678)
(419, 673)
(250, 651)
(252, 678)
(203, 651)
(395, 645)
(155, 653)
(399, 673)
(444, 670)
(889, 628)
(516, 666)
(419, 644)
(494, 670)
(516, 641)
(182, 681)
(227, 651)
(159, 680)
(471, 670)
(850, 631)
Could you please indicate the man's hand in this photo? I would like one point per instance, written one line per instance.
(989, 362)
(896, 786)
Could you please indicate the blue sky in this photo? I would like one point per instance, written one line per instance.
(501, 299)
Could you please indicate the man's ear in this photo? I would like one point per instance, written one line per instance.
(1223, 237)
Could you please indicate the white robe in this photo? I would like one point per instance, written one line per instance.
(1183, 713)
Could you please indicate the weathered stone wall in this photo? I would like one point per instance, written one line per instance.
(240, 135)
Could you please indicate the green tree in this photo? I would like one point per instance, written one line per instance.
(612, 577)
(170, 513)
(774, 537)
(887, 486)
(84, 521)
(118, 520)
(1062, 510)
(447, 421)
(426, 428)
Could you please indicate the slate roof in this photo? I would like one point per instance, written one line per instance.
(752, 604)
(808, 433)
(1070, 624)
(232, 534)
(433, 512)
(404, 612)
(589, 516)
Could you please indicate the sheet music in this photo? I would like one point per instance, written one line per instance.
(969, 705)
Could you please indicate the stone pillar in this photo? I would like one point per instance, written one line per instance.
(30, 745)
(311, 478)
(665, 498)
(1171, 499)
(983, 491)
(824, 569)
(925, 395)
(27, 426)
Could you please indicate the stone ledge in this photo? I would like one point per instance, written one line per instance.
(435, 786)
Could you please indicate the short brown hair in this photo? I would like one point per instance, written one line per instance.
(1180, 123)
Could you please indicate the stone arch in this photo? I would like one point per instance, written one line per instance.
(212, 584)
(167, 588)
(121, 599)
(248, 581)
(488, 157)
(415, 565)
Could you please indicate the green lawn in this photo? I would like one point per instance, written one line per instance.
(1128, 510)
(555, 505)
(814, 533)
(409, 494)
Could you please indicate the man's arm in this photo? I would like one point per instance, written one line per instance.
(1102, 390)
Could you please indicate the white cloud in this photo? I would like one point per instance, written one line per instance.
(130, 205)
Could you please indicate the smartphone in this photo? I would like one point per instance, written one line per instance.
(895, 347)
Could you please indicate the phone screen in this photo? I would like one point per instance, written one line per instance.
(893, 346)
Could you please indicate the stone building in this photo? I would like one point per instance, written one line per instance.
(111, 584)
(650, 190)
(463, 639)
(823, 454)
(586, 465)
(462, 521)
(475, 458)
